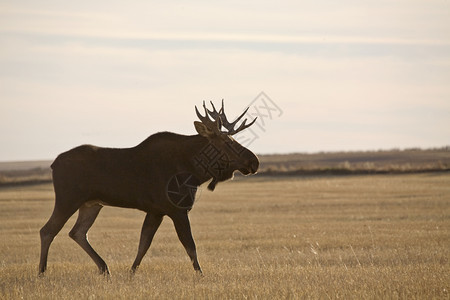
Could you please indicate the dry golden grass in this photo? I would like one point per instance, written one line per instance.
(367, 237)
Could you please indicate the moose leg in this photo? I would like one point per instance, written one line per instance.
(48, 232)
(183, 228)
(149, 228)
(86, 217)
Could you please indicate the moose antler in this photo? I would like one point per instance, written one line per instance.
(220, 115)
(213, 125)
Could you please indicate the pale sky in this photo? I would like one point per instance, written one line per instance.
(341, 75)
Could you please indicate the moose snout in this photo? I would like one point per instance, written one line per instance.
(254, 165)
(249, 166)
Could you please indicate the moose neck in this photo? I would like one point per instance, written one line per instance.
(196, 145)
(196, 155)
(205, 161)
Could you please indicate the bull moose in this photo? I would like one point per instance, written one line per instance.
(159, 176)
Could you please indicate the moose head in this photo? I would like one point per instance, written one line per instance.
(223, 155)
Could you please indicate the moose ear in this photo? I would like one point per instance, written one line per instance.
(203, 130)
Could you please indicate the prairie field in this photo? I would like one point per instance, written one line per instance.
(323, 237)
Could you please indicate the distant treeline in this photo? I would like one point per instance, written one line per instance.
(25, 176)
(295, 164)
(362, 162)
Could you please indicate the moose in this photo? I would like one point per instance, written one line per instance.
(159, 176)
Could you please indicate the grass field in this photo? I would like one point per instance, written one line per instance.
(366, 237)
